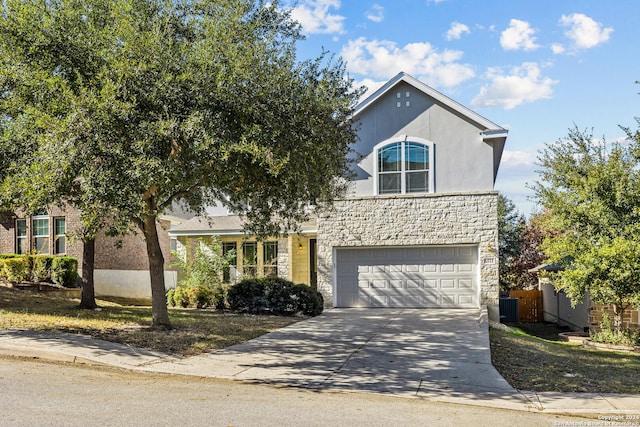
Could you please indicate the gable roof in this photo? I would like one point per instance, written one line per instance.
(491, 130)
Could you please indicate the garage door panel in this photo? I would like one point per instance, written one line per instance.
(430, 283)
(465, 268)
(397, 284)
(430, 268)
(413, 284)
(378, 284)
(465, 284)
(407, 277)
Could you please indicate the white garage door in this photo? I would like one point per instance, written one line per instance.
(443, 276)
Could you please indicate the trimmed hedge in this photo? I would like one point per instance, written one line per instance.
(16, 269)
(60, 270)
(199, 296)
(64, 271)
(274, 295)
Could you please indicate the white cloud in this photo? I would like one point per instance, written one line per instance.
(517, 159)
(315, 17)
(518, 36)
(375, 13)
(456, 31)
(523, 84)
(584, 31)
(557, 48)
(381, 59)
(370, 84)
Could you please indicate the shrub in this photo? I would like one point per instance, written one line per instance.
(195, 295)
(247, 295)
(41, 268)
(171, 297)
(280, 296)
(181, 296)
(16, 269)
(608, 335)
(220, 297)
(275, 295)
(201, 296)
(310, 301)
(64, 271)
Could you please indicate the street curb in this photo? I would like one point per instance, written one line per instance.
(54, 356)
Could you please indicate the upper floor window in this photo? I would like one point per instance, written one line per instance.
(404, 167)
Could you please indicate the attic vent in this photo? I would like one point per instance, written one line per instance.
(399, 95)
(398, 104)
(408, 94)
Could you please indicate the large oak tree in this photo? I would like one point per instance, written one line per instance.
(149, 103)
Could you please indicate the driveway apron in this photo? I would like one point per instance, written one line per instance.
(419, 352)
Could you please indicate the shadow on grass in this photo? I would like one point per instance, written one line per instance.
(195, 331)
(536, 364)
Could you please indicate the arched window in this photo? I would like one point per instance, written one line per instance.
(404, 167)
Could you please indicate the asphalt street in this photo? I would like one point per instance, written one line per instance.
(47, 394)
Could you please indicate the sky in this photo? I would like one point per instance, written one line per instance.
(534, 67)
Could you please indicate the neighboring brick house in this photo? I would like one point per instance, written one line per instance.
(419, 227)
(119, 271)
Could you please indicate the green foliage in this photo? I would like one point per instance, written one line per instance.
(592, 192)
(247, 295)
(274, 295)
(510, 227)
(310, 301)
(609, 335)
(64, 271)
(123, 108)
(199, 296)
(205, 267)
(202, 286)
(17, 269)
(41, 270)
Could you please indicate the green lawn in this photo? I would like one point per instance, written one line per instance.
(531, 363)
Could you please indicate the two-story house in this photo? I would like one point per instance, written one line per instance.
(419, 226)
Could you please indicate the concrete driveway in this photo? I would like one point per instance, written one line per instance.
(419, 352)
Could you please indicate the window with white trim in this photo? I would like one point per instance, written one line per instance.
(404, 167)
(59, 236)
(22, 246)
(40, 234)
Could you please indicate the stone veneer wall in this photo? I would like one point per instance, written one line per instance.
(418, 220)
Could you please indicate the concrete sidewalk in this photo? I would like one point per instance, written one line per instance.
(381, 357)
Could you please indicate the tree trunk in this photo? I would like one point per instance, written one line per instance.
(618, 311)
(156, 272)
(88, 300)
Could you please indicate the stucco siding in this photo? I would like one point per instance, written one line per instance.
(463, 161)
